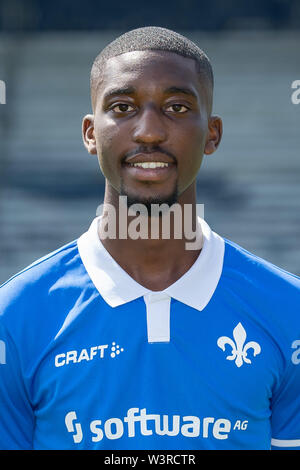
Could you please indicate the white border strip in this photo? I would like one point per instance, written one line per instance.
(285, 443)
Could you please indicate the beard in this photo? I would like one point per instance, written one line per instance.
(167, 201)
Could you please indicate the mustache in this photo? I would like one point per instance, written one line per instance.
(148, 150)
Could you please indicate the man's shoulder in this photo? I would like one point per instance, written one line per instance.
(25, 289)
(266, 289)
(248, 265)
(265, 295)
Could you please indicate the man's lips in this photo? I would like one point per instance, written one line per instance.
(149, 157)
(154, 166)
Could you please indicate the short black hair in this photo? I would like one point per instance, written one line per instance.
(151, 38)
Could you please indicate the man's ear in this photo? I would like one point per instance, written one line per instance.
(215, 131)
(88, 134)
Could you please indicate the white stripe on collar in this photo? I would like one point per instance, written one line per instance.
(195, 288)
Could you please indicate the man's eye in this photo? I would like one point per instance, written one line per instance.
(177, 108)
(122, 108)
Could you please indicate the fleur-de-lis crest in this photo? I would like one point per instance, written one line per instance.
(239, 346)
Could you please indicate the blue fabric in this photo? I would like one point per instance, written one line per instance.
(78, 374)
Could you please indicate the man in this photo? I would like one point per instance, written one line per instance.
(143, 342)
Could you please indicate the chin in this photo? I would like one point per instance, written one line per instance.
(148, 202)
(169, 199)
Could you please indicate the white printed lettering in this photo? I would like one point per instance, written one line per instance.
(191, 429)
(221, 428)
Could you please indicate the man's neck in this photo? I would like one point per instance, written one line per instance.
(154, 250)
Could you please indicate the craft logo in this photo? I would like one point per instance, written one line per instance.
(88, 354)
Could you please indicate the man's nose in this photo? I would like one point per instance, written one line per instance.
(150, 128)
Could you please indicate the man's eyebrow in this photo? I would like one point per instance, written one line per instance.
(177, 90)
(131, 90)
(119, 91)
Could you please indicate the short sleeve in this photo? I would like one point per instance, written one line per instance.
(16, 415)
(285, 419)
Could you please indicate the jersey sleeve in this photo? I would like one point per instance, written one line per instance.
(285, 417)
(16, 414)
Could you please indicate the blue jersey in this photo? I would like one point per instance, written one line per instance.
(90, 359)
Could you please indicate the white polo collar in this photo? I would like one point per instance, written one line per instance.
(195, 288)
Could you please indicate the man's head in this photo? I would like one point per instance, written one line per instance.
(151, 92)
(152, 38)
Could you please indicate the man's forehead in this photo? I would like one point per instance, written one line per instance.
(159, 66)
(150, 58)
(150, 72)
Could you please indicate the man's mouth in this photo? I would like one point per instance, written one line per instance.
(149, 164)
(153, 166)
(147, 156)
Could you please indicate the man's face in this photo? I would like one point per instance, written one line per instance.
(151, 125)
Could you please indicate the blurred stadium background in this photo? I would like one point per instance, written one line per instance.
(50, 187)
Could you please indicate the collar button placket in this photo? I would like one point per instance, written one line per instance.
(158, 317)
